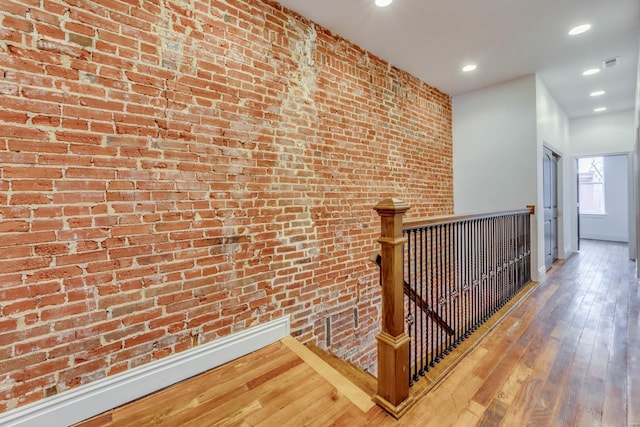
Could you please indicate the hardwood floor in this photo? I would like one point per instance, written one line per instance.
(274, 386)
(568, 355)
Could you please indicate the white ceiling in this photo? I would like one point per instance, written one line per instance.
(507, 39)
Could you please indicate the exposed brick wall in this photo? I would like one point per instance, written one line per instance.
(174, 171)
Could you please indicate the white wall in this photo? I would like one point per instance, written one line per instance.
(495, 151)
(611, 133)
(614, 225)
(494, 147)
(553, 132)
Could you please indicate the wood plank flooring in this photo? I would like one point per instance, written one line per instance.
(568, 355)
(273, 386)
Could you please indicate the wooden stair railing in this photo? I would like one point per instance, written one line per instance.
(476, 264)
(393, 342)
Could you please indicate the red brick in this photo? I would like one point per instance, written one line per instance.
(53, 273)
(24, 334)
(13, 117)
(14, 226)
(81, 321)
(8, 325)
(66, 310)
(16, 23)
(28, 264)
(20, 363)
(81, 258)
(48, 342)
(80, 28)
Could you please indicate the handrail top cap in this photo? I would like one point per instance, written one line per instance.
(392, 205)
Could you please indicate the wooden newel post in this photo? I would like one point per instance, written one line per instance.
(393, 343)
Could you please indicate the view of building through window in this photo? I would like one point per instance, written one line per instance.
(591, 185)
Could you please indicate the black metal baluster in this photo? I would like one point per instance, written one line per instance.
(473, 274)
(443, 290)
(501, 254)
(476, 274)
(501, 249)
(497, 230)
(447, 285)
(513, 250)
(472, 263)
(409, 317)
(509, 259)
(454, 281)
(513, 241)
(527, 271)
(480, 270)
(521, 254)
(481, 254)
(499, 241)
(438, 284)
(492, 263)
(413, 284)
(420, 295)
(523, 227)
(431, 299)
(514, 256)
(419, 309)
(505, 255)
(463, 281)
(487, 267)
(525, 241)
(467, 275)
(458, 272)
(505, 252)
(456, 284)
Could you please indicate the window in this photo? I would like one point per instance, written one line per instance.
(591, 185)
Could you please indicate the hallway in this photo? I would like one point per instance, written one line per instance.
(568, 355)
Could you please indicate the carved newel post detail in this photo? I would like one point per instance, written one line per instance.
(393, 343)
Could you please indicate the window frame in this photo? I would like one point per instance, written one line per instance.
(601, 183)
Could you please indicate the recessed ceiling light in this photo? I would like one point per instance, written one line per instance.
(599, 109)
(591, 71)
(579, 29)
(597, 93)
(469, 67)
(383, 3)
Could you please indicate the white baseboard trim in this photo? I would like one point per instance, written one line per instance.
(568, 251)
(606, 237)
(89, 400)
(542, 273)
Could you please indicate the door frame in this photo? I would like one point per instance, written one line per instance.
(559, 226)
(634, 230)
(577, 184)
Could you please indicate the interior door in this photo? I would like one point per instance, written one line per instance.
(578, 200)
(550, 190)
